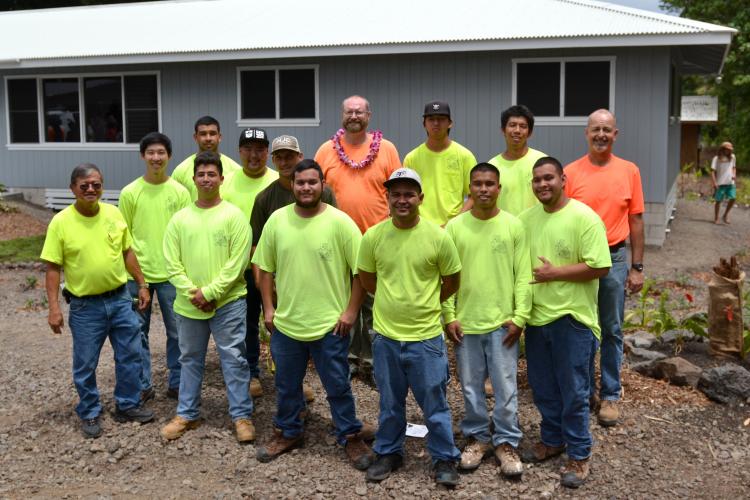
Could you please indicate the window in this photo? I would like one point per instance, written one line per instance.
(564, 91)
(277, 96)
(95, 111)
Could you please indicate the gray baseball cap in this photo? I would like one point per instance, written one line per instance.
(285, 142)
(404, 174)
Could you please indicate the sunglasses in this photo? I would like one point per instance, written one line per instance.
(86, 185)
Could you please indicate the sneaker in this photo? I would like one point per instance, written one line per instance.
(359, 454)
(446, 473)
(147, 394)
(244, 430)
(178, 426)
(91, 428)
(488, 390)
(173, 393)
(540, 452)
(278, 445)
(574, 473)
(609, 413)
(510, 463)
(473, 453)
(383, 465)
(135, 414)
(256, 390)
(308, 393)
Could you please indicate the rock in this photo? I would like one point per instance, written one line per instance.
(640, 339)
(678, 371)
(639, 355)
(361, 490)
(725, 383)
(671, 336)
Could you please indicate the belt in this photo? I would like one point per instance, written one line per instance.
(104, 295)
(616, 246)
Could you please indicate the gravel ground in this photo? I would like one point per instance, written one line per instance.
(673, 442)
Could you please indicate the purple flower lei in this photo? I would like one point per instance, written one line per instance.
(377, 136)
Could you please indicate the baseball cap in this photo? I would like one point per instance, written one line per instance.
(404, 174)
(727, 145)
(285, 142)
(253, 134)
(437, 108)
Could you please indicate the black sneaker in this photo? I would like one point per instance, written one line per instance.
(147, 394)
(91, 428)
(173, 392)
(136, 414)
(383, 466)
(446, 473)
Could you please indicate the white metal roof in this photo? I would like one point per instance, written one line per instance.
(184, 30)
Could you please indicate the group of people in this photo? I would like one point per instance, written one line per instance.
(366, 266)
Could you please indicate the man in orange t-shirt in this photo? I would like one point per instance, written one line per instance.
(612, 187)
(356, 164)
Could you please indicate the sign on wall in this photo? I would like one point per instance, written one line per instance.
(699, 108)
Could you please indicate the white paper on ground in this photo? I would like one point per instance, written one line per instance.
(416, 430)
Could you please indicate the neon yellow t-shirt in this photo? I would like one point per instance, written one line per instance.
(495, 276)
(147, 209)
(207, 248)
(312, 258)
(572, 235)
(408, 264)
(515, 178)
(445, 179)
(241, 190)
(89, 249)
(183, 173)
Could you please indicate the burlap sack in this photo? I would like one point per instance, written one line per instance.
(725, 325)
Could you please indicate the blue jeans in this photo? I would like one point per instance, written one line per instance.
(330, 357)
(557, 356)
(252, 339)
(92, 321)
(480, 356)
(611, 314)
(228, 329)
(166, 293)
(423, 367)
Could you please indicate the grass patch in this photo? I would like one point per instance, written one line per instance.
(21, 249)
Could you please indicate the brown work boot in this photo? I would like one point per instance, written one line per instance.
(360, 455)
(278, 445)
(488, 390)
(367, 432)
(540, 452)
(510, 463)
(473, 453)
(178, 426)
(308, 393)
(256, 390)
(244, 430)
(574, 473)
(609, 413)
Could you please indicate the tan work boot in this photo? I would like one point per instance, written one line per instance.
(308, 393)
(178, 426)
(473, 453)
(244, 430)
(510, 463)
(278, 445)
(360, 455)
(367, 432)
(540, 452)
(609, 413)
(256, 390)
(488, 390)
(574, 473)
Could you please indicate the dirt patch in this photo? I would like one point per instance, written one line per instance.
(19, 225)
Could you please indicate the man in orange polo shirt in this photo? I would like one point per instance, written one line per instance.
(356, 163)
(612, 187)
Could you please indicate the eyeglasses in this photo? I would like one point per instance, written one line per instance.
(355, 113)
(86, 185)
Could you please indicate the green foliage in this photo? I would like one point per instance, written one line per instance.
(31, 282)
(734, 89)
(21, 249)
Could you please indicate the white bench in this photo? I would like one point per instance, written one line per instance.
(59, 199)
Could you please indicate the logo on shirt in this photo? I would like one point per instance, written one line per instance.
(562, 250)
(325, 252)
(497, 245)
(171, 204)
(220, 239)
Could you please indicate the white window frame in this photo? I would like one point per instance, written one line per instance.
(83, 145)
(278, 122)
(561, 119)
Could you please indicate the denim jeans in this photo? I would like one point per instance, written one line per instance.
(166, 293)
(611, 313)
(92, 321)
(480, 356)
(228, 329)
(329, 355)
(252, 339)
(557, 356)
(423, 367)
(360, 349)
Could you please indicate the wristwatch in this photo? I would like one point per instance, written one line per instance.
(638, 266)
